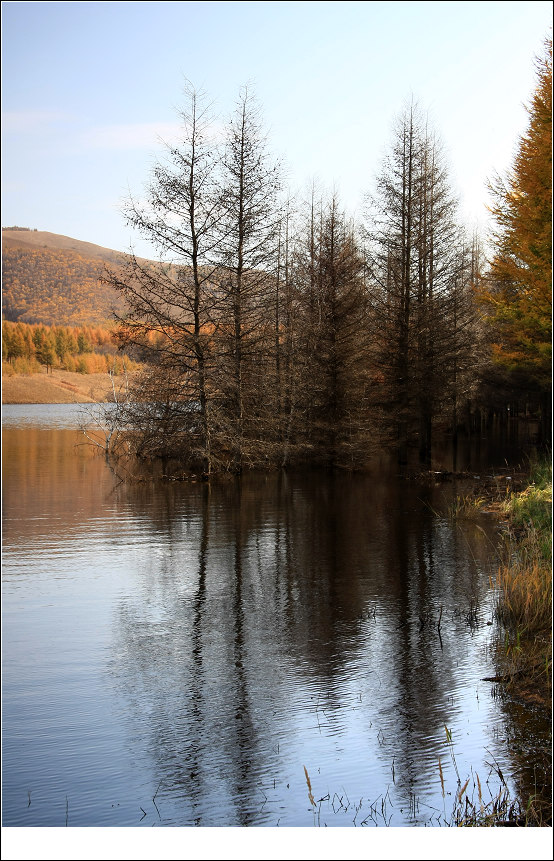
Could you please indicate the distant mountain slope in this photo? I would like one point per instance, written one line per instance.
(43, 239)
(53, 279)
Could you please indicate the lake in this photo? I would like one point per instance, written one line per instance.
(289, 649)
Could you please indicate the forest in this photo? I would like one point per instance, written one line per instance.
(287, 333)
(53, 286)
(82, 349)
(276, 331)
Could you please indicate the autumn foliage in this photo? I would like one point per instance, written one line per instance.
(518, 290)
(86, 350)
(54, 287)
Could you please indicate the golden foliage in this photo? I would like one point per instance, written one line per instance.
(518, 290)
(84, 350)
(55, 286)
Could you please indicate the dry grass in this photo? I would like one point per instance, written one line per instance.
(525, 576)
(500, 809)
(466, 507)
(310, 794)
(524, 609)
(58, 387)
(525, 585)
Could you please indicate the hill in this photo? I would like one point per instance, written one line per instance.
(23, 237)
(56, 280)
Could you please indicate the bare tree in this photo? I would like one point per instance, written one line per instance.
(172, 305)
(245, 256)
(417, 279)
(334, 335)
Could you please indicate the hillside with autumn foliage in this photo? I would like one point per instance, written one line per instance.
(58, 319)
(55, 280)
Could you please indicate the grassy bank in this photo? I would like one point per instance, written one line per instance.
(524, 581)
(58, 387)
(523, 649)
(524, 655)
(524, 573)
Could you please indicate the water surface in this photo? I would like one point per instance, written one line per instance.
(179, 654)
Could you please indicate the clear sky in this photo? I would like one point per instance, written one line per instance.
(88, 89)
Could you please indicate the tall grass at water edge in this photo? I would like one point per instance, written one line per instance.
(524, 609)
(523, 652)
(524, 577)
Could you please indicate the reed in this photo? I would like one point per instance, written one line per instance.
(462, 790)
(524, 582)
(470, 812)
(441, 776)
(524, 609)
(310, 794)
(466, 507)
(500, 811)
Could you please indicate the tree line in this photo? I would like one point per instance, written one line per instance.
(86, 349)
(279, 331)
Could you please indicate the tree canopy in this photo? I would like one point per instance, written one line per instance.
(518, 289)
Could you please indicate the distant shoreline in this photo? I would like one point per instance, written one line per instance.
(58, 387)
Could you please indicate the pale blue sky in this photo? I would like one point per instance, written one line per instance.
(89, 87)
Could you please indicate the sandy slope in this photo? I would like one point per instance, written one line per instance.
(59, 387)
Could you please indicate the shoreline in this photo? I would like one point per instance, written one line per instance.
(522, 654)
(59, 387)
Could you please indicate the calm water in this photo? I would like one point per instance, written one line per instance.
(176, 654)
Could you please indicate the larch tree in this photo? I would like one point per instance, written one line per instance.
(171, 306)
(245, 256)
(334, 335)
(287, 382)
(418, 285)
(517, 290)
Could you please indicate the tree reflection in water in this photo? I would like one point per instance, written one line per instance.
(288, 619)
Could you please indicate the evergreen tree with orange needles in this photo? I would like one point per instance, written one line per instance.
(518, 289)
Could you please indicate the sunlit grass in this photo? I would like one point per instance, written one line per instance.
(525, 592)
(525, 576)
(466, 507)
(524, 603)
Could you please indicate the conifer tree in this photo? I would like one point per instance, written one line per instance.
(518, 288)
(170, 306)
(244, 255)
(334, 335)
(418, 286)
